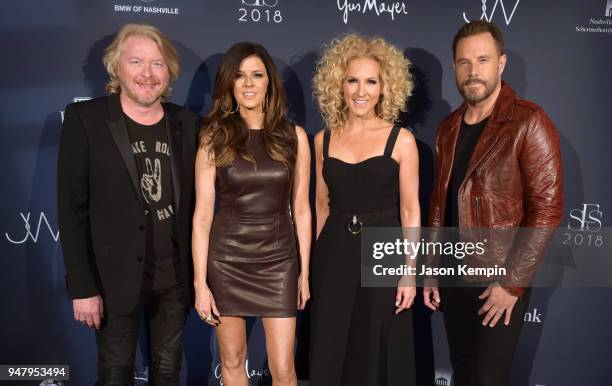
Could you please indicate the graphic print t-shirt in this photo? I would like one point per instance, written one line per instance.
(152, 154)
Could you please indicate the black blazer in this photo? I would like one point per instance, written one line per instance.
(100, 206)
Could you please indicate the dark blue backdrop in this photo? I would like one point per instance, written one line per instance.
(560, 55)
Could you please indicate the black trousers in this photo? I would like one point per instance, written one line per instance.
(480, 355)
(165, 313)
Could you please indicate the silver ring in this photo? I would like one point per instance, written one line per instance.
(83, 321)
(208, 318)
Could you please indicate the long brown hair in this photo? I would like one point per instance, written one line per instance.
(225, 132)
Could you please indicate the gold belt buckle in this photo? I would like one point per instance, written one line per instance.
(354, 226)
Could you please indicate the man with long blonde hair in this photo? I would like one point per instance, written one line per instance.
(125, 201)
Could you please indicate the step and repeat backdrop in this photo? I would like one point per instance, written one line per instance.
(560, 55)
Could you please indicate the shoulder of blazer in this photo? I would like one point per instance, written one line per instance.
(96, 107)
(179, 112)
(189, 121)
(86, 115)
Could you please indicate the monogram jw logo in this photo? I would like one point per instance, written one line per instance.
(28, 229)
(488, 17)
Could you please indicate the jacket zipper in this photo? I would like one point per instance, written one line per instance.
(440, 183)
(478, 224)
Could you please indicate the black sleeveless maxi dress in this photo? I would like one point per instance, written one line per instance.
(356, 338)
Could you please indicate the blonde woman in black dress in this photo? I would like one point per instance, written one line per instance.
(246, 258)
(366, 174)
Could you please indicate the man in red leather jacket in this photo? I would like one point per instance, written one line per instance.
(498, 167)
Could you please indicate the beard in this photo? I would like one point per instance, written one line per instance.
(475, 96)
(141, 99)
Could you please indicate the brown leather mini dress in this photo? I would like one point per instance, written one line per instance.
(252, 258)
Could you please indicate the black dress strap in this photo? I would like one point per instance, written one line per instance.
(391, 140)
(326, 135)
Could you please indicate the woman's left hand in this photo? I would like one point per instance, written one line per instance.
(404, 298)
(303, 291)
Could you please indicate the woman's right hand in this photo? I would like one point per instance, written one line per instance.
(431, 297)
(206, 307)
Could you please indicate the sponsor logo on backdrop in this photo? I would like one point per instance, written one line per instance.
(506, 11)
(599, 24)
(379, 8)
(142, 374)
(80, 99)
(260, 11)
(32, 231)
(51, 382)
(146, 8)
(443, 377)
(75, 99)
(441, 382)
(584, 226)
(533, 316)
(587, 218)
(260, 3)
(251, 373)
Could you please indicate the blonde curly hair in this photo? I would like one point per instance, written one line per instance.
(395, 77)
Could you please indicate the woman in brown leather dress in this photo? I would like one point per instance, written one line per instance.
(246, 258)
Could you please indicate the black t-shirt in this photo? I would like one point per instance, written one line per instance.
(468, 137)
(152, 154)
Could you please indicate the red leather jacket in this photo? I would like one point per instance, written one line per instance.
(514, 179)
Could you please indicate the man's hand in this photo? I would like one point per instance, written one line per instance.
(498, 302)
(89, 311)
(431, 297)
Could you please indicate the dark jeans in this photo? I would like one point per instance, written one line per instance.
(480, 355)
(165, 313)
